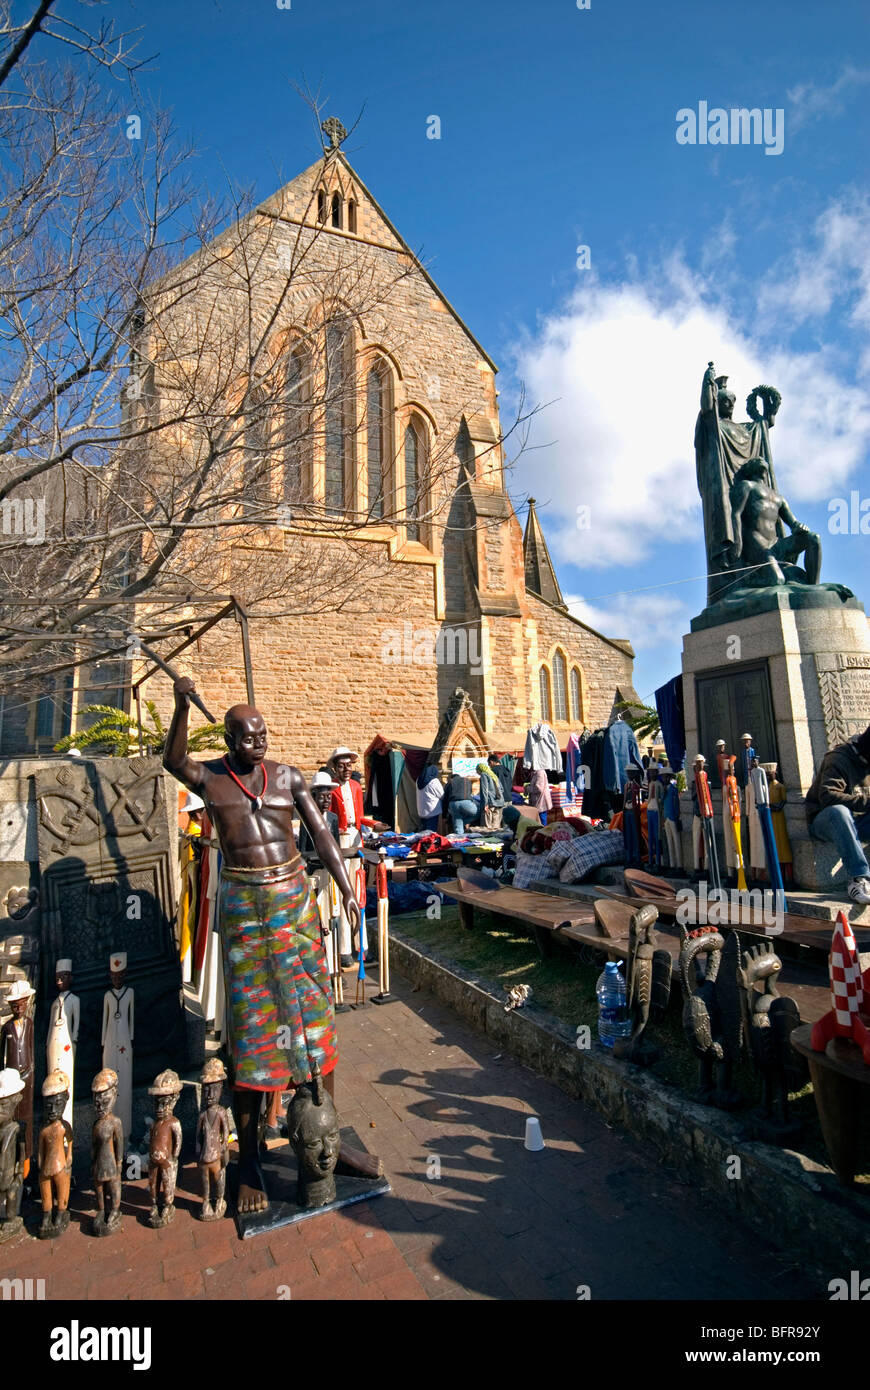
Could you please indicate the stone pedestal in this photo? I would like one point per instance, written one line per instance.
(807, 673)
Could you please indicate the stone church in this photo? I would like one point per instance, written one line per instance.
(452, 591)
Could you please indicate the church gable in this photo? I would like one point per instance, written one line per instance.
(329, 194)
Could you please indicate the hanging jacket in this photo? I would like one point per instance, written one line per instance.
(573, 759)
(505, 774)
(620, 749)
(541, 752)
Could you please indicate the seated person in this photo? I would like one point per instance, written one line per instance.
(838, 809)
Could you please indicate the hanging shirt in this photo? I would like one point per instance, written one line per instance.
(541, 752)
(620, 749)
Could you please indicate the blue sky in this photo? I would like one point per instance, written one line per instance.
(558, 129)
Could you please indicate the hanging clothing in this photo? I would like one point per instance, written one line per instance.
(669, 704)
(187, 903)
(542, 749)
(539, 791)
(505, 774)
(573, 760)
(594, 802)
(620, 749)
(208, 968)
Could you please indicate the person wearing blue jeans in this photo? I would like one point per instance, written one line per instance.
(462, 813)
(460, 807)
(838, 809)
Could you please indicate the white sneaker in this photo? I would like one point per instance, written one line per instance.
(859, 891)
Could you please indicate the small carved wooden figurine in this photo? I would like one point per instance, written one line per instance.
(212, 1141)
(313, 1127)
(55, 1156)
(117, 1036)
(11, 1154)
(107, 1153)
(712, 1017)
(649, 987)
(164, 1148)
(63, 1030)
(17, 1052)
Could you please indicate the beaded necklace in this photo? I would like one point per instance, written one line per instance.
(256, 801)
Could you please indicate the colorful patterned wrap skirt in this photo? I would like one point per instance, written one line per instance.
(280, 1016)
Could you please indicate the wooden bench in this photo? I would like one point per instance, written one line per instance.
(545, 915)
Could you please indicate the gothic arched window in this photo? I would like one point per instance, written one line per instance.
(414, 460)
(336, 413)
(544, 687)
(351, 215)
(321, 205)
(576, 696)
(377, 408)
(560, 699)
(297, 426)
(257, 460)
(336, 210)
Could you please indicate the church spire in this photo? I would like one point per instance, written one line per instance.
(540, 574)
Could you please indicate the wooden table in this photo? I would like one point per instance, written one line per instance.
(841, 1086)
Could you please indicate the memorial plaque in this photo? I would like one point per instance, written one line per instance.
(732, 702)
(107, 845)
(844, 688)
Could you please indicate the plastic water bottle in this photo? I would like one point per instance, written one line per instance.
(613, 1019)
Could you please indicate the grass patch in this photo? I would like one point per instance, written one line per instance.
(563, 985)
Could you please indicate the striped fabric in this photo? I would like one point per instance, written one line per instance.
(280, 1015)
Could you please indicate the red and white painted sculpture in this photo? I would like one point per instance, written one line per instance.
(849, 990)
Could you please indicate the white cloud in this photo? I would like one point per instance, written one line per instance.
(622, 365)
(649, 620)
(810, 101)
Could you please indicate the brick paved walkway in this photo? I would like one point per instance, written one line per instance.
(498, 1223)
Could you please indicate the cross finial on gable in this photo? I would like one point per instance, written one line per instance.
(334, 131)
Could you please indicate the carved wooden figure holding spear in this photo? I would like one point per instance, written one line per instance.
(280, 1011)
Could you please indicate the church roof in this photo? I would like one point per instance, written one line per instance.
(540, 574)
(272, 204)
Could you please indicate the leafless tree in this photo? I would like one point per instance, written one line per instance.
(179, 386)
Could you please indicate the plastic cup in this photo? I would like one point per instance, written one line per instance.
(534, 1141)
